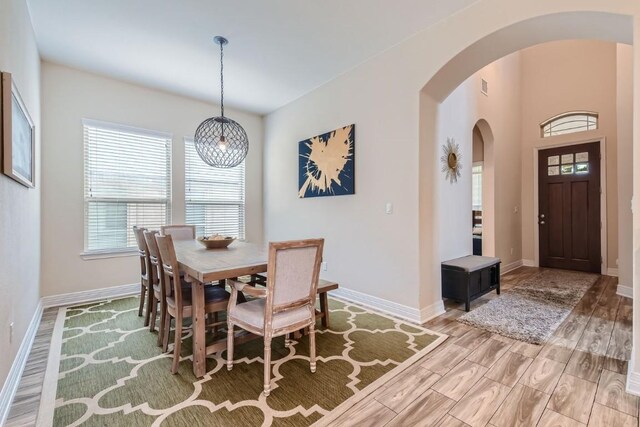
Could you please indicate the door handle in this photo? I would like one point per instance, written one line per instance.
(541, 215)
(541, 222)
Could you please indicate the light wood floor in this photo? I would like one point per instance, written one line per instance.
(477, 378)
(24, 409)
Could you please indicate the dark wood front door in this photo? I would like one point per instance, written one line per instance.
(569, 207)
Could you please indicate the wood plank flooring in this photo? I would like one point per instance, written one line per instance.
(477, 378)
(24, 409)
(576, 379)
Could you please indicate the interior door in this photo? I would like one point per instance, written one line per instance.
(569, 207)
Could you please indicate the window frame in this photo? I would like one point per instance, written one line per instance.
(188, 141)
(555, 118)
(89, 254)
(475, 165)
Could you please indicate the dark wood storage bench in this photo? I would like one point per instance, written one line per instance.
(465, 279)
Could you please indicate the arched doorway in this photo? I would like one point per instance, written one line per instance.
(483, 174)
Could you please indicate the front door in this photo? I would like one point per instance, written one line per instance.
(569, 207)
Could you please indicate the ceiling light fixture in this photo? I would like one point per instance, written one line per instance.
(220, 141)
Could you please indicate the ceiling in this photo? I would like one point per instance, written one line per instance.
(279, 50)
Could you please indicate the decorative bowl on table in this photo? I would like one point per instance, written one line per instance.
(216, 241)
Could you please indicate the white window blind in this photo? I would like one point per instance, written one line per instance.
(214, 198)
(476, 186)
(126, 182)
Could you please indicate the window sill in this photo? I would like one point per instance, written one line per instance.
(87, 256)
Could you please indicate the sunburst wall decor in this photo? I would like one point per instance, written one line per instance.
(450, 159)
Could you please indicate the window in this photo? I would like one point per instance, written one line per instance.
(126, 182)
(576, 121)
(476, 186)
(214, 198)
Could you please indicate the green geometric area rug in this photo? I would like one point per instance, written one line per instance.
(110, 371)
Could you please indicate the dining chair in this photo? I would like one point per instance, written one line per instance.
(178, 298)
(287, 304)
(144, 272)
(158, 296)
(179, 232)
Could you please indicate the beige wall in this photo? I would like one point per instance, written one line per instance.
(395, 257)
(624, 112)
(19, 206)
(478, 145)
(457, 118)
(68, 97)
(569, 76)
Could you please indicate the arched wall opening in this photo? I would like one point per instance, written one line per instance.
(488, 188)
(561, 26)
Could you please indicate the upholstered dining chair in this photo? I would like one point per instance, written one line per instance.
(179, 232)
(144, 272)
(178, 298)
(286, 305)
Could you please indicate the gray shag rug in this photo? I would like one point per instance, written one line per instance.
(534, 309)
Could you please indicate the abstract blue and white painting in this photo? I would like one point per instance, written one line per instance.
(326, 164)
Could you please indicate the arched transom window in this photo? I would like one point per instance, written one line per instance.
(571, 122)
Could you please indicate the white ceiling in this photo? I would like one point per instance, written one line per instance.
(278, 51)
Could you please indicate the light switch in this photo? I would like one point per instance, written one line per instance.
(389, 208)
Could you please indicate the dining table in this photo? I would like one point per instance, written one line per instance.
(201, 266)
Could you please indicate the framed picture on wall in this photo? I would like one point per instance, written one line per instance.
(326, 164)
(17, 134)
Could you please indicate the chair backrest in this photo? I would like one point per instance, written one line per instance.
(179, 232)
(169, 267)
(292, 275)
(143, 251)
(154, 256)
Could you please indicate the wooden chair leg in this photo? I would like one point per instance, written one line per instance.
(229, 345)
(147, 315)
(216, 328)
(166, 332)
(324, 308)
(161, 327)
(267, 365)
(312, 346)
(154, 313)
(177, 345)
(143, 291)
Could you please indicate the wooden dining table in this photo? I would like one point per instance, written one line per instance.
(200, 266)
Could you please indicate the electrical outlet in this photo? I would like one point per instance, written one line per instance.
(388, 208)
(324, 266)
(11, 332)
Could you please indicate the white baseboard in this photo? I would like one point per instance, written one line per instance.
(12, 381)
(504, 269)
(528, 263)
(624, 291)
(89, 296)
(612, 272)
(633, 379)
(402, 311)
(434, 310)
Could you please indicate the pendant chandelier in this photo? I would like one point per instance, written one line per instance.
(220, 141)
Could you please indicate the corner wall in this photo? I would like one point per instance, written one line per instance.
(624, 112)
(68, 96)
(19, 205)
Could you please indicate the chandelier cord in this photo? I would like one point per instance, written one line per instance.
(221, 79)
